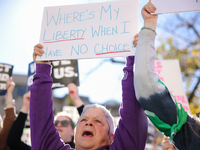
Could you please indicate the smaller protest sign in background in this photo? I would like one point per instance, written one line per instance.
(63, 73)
(175, 6)
(170, 75)
(5, 73)
(31, 72)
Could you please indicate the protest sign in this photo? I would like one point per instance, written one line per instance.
(63, 73)
(170, 75)
(5, 73)
(91, 30)
(175, 6)
(31, 72)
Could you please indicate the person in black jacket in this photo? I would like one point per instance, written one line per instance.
(14, 138)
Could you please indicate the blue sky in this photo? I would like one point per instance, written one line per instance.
(20, 30)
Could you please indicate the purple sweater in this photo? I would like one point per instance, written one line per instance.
(130, 134)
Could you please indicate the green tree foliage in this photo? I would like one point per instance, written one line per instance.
(180, 39)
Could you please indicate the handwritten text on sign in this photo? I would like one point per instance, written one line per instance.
(89, 30)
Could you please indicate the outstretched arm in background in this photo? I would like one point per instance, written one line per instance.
(159, 105)
(14, 138)
(73, 92)
(150, 93)
(9, 114)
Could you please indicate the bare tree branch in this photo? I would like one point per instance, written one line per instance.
(186, 28)
(193, 91)
(114, 61)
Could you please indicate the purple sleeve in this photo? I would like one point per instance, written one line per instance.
(131, 131)
(43, 132)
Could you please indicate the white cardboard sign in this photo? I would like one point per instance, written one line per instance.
(89, 30)
(175, 6)
(170, 75)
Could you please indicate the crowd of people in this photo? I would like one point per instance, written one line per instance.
(13, 125)
(143, 95)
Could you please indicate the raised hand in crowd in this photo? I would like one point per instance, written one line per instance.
(26, 103)
(166, 145)
(135, 41)
(38, 51)
(150, 21)
(73, 92)
(10, 85)
(14, 138)
(156, 100)
(9, 114)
